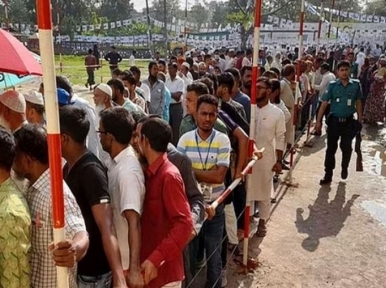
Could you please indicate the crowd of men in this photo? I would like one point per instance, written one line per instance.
(142, 168)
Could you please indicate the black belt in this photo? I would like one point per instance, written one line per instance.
(343, 119)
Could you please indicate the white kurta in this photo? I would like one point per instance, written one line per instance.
(287, 96)
(270, 134)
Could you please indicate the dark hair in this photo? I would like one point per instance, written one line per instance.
(208, 99)
(31, 140)
(136, 70)
(235, 73)
(151, 64)
(270, 74)
(198, 87)
(288, 70)
(249, 51)
(207, 56)
(117, 84)
(245, 69)
(118, 122)
(264, 80)
(38, 108)
(276, 70)
(286, 61)
(64, 83)
(125, 75)
(325, 66)
(113, 47)
(190, 61)
(227, 80)
(173, 65)
(261, 70)
(117, 71)
(137, 117)
(275, 85)
(214, 80)
(74, 123)
(162, 62)
(158, 132)
(208, 82)
(7, 148)
(343, 63)
(90, 51)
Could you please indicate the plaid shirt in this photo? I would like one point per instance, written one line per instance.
(43, 269)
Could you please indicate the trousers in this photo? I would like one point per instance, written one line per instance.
(336, 130)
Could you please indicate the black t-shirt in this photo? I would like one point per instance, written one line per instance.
(235, 116)
(88, 182)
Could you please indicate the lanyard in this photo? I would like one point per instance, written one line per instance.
(207, 154)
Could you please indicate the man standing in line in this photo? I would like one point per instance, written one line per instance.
(354, 71)
(166, 221)
(15, 222)
(87, 179)
(146, 90)
(113, 58)
(34, 107)
(238, 95)
(322, 88)
(270, 134)
(12, 110)
(157, 90)
(209, 151)
(118, 89)
(345, 98)
(126, 186)
(91, 63)
(225, 86)
(246, 80)
(31, 162)
(175, 84)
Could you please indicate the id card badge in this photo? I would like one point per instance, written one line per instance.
(349, 102)
(206, 190)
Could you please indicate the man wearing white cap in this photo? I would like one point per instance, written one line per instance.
(12, 110)
(34, 107)
(102, 99)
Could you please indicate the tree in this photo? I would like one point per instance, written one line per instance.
(199, 15)
(115, 10)
(172, 10)
(219, 14)
(376, 8)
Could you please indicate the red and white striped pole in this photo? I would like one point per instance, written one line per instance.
(251, 143)
(53, 128)
(320, 27)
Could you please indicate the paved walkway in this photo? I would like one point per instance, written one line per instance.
(330, 236)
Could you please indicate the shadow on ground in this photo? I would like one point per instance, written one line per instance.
(326, 218)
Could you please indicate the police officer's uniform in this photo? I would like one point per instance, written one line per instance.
(340, 124)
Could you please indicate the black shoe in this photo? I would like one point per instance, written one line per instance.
(344, 173)
(285, 167)
(325, 180)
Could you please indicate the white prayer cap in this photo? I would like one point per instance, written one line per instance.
(105, 88)
(13, 100)
(34, 97)
(186, 64)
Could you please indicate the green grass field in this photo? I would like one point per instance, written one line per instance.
(73, 68)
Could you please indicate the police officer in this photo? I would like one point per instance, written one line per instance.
(345, 98)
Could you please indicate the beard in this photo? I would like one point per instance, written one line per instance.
(247, 84)
(4, 123)
(99, 108)
(262, 97)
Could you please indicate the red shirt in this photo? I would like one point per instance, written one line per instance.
(166, 221)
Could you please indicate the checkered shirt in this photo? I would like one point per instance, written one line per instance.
(43, 269)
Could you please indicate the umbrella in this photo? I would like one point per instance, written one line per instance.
(15, 58)
(11, 80)
(8, 80)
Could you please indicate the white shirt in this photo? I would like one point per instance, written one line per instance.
(281, 106)
(222, 64)
(132, 60)
(270, 134)
(286, 94)
(127, 190)
(176, 85)
(92, 142)
(146, 91)
(327, 78)
(246, 62)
